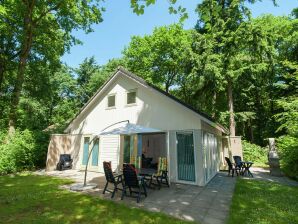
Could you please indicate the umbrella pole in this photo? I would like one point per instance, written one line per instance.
(86, 168)
(85, 175)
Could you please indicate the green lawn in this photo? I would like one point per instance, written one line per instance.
(262, 202)
(28, 198)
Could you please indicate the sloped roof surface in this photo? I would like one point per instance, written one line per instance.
(142, 81)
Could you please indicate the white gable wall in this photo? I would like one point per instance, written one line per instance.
(152, 109)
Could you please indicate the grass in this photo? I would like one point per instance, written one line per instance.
(264, 202)
(27, 198)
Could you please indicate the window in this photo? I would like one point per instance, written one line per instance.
(131, 97)
(111, 101)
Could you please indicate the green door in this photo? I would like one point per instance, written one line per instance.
(85, 150)
(185, 156)
(95, 153)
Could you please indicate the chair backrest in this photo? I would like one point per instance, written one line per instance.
(107, 167)
(229, 162)
(162, 165)
(130, 175)
(65, 158)
(237, 160)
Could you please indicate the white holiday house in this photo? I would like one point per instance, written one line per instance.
(191, 140)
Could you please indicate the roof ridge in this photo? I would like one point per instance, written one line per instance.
(122, 69)
(144, 82)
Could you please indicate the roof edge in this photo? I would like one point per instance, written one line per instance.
(144, 82)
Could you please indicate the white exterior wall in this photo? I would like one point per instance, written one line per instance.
(172, 156)
(109, 150)
(198, 154)
(152, 109)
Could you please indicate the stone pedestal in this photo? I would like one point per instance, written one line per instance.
(273, 159)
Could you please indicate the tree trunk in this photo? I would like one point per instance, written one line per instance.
(214, 104)
(2, 68)
(25, 49)
(251, 131)
(231, 108)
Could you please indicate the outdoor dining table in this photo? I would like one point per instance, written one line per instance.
(246, 165)
(146, 172)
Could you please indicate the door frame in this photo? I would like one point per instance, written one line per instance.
(90, 167)
(195, 156)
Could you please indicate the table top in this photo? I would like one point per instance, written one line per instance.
(146, 171)
(247, 162)
(140, 171)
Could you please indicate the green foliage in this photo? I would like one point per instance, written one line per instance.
(24, 150)
(263, 202)
(162, 57)
(288, 151)
(257, 154)
(138, 7)
(17, 151)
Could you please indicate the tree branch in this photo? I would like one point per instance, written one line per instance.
(47, 12)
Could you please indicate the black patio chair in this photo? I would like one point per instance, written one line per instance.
(65, 162)
(134, 183)
(238, 163)
(146, 162)
(232, 167)
(111, 178)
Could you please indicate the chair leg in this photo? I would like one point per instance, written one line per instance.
(145, 191)
(233, 170)
(114, 191)
(150, 182)
(123, 193)
(104, 191)
(158, 183)
(139, 195)
(167, 181)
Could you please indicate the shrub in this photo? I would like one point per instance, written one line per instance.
(24, 150)
(257, 154)
(287, 147)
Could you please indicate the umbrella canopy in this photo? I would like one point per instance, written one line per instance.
(129, 129)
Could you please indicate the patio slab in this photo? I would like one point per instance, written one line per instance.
(264, 174)
(209, 204)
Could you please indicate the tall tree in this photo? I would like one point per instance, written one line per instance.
(161, 57)
(223, 22)
(36, 24)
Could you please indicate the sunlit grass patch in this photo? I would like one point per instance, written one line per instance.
(27, 198)
(264, 202)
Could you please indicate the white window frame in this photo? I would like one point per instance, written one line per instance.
(126, 93)
(107, 104)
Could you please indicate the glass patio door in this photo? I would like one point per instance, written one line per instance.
(132, 149)
(185, 156)
(87, 147)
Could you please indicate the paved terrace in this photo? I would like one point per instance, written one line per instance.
(209, 204)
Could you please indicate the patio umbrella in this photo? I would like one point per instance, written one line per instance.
(129, 129)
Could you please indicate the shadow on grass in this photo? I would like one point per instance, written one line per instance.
(37, 199)
(257, 201)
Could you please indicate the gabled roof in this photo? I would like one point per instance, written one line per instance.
(143, 82)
